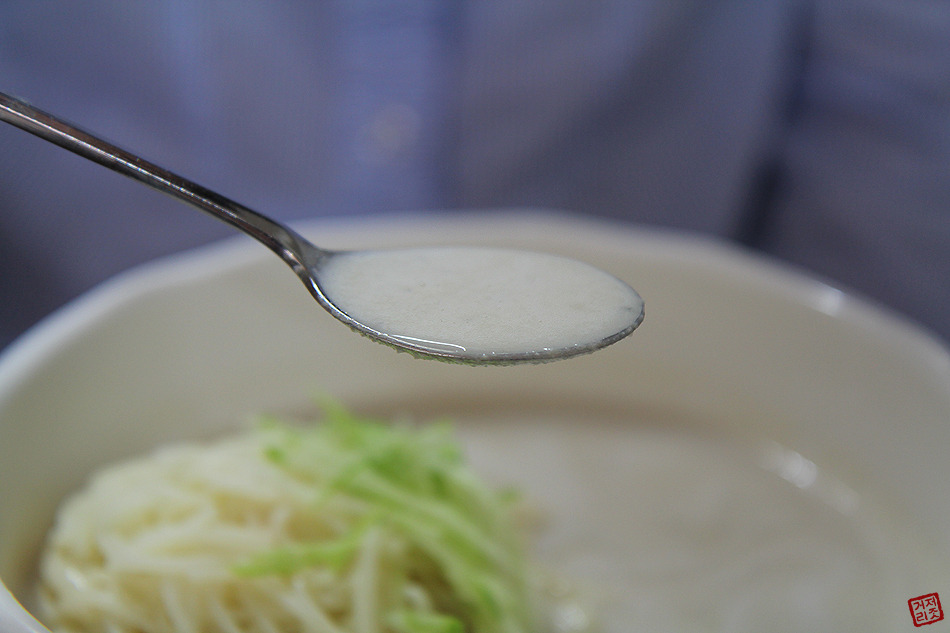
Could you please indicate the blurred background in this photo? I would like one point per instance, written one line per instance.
(817, 132)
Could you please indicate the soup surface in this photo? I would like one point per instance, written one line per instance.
(482, 303)
(667, 527)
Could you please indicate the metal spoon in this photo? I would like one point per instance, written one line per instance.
(311, 264)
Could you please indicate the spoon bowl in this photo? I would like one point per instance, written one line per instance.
(469, 305)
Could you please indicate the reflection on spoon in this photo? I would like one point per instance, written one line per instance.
(479, 306)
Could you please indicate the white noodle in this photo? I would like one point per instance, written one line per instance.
(365, 584)
(157, 545)
(310, 616)
(172, 601)
(151, 546)
(223, 618)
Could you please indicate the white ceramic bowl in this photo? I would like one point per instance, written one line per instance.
(764, 453)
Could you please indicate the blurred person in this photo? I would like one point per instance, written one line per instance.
(814, 131)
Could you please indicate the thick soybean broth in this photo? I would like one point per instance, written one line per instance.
(482, 303)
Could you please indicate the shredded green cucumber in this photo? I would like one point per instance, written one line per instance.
(401, 487)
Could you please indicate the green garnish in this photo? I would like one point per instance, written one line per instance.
(411, 488)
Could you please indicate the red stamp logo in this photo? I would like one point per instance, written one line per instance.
(925, 609)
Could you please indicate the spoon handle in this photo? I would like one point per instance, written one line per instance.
(280, 239)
